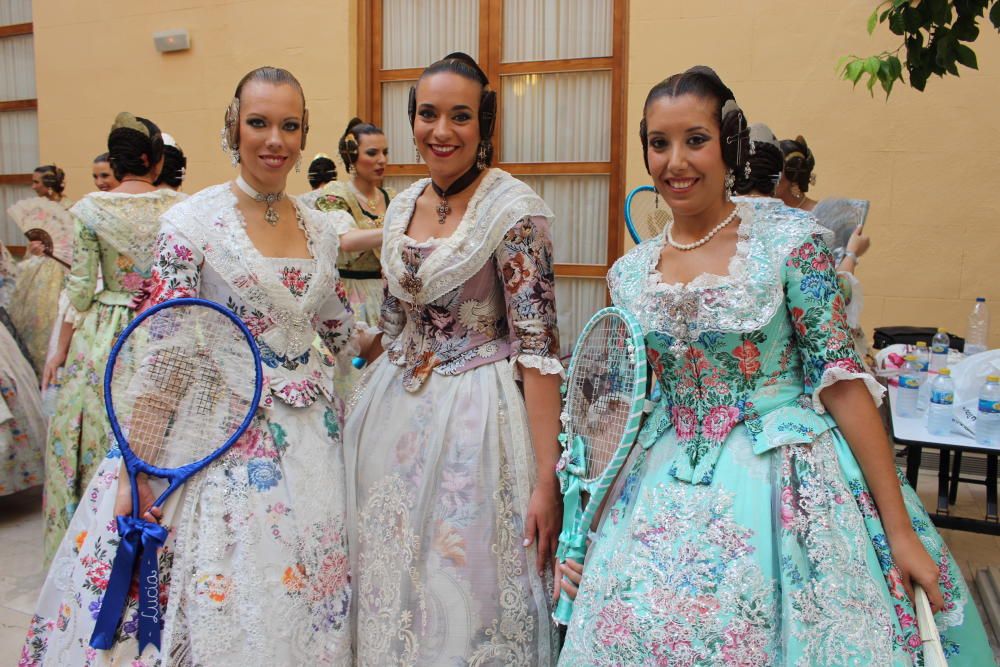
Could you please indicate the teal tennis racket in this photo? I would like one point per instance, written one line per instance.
(645, 214)
(604, 406)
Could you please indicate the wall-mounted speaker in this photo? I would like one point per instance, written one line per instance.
(171, 40)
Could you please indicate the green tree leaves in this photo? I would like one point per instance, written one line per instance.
(933, 33)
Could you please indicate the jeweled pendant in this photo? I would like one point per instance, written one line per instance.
(271, 216)
(443, 209)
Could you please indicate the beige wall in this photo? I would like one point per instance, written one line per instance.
(94, 59)
(927, 161)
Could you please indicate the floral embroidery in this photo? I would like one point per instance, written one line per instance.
(295, 280)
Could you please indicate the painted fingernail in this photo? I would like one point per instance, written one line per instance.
(527, 542)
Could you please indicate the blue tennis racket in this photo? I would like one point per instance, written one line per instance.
(604, 406)
(645, 214)
(182, 384)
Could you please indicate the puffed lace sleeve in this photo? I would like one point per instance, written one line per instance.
(524, 264)
(819, 320)
(177, 270)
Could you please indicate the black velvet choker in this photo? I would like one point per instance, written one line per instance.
(461, 183)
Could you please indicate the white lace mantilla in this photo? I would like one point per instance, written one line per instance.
(211, 221)
(126, 222)
(743, 300)
(500, 202)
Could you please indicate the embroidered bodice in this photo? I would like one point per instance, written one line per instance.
(204, 251)
(754, 346)
(483, 294)
(115, 233)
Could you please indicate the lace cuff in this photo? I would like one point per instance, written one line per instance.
(546, 365)
(835, 374)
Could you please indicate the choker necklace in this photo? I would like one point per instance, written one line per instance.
(464, 181)
(135, 179)
(269, 198)
(703, 240)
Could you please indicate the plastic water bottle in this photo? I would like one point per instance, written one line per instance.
(988, 419)
(909, 388)
(977, 337)
(923, 356)
(939, 350)
(942, 401)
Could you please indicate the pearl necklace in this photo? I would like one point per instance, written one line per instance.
(703, 240)
(268, 198)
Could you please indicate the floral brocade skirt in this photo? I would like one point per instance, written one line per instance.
(780, 560)
(438, 487)
(254, 571)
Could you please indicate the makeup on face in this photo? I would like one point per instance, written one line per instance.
(270, 133)
(446, 126)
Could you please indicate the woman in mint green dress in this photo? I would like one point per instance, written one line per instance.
(116, 237)
(763, 521)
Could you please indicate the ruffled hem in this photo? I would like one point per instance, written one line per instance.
(295, 392)
(835, 374)
(546, 365)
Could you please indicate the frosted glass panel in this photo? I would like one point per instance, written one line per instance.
(399, 183)
(580, 233)
(396, 123)
(10, 233)
(577, 299)
(17, 68)
(415, 33)
(15, 11)
(18, 141)
(556, 29)
(557, 117)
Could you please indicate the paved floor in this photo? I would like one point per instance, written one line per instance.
(21, 573)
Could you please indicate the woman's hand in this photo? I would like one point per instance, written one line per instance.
(858, 243)
(52, 366)
(123, 500)
(568, 576)
(544, 523)
(917, 567)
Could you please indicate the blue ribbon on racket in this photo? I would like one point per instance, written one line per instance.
(571, 543)
(140, 539)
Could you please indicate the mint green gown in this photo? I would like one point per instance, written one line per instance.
(745, 533)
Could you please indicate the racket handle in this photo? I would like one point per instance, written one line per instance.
(564, 610)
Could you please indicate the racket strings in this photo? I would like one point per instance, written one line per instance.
(182, 384)
(649, 215)
(600, 395)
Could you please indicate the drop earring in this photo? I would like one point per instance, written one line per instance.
(730, 182)
(416, 153)
(298, 164)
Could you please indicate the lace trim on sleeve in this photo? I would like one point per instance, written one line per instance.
(546, 365)
(835, 374)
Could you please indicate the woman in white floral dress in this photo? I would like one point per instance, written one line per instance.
(255, 568)
(452, 471)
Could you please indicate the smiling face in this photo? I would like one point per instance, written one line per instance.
(685, 154)
(373, 154)
(270, 133)
(104, 178)
(446, 126)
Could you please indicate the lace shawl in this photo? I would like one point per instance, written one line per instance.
(211, 220)
(500, 202)
(126, 222)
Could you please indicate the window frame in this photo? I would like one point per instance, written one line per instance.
(371, 76)
(14, 30)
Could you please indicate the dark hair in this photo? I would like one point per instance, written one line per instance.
(799, 162)
(52, 177)
(127, 145)
(174, 167)
(703, 82)
(350, 140)
(765, 170)
(103, 157)
(465, 66)
(322, 170)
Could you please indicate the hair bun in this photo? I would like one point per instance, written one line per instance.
(734, 132)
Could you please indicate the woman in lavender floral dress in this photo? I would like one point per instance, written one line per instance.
(452, 472)
(763, 522)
